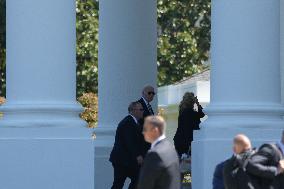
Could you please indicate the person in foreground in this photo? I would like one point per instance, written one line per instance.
(161, 165)
(266, 167)
(218, 182)
(127, 153)
(233, 172)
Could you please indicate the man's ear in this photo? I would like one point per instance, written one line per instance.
(156, 129)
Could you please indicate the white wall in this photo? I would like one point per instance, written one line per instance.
(172, 94)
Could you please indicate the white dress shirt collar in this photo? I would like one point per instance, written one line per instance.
(134, 118)
(281, 145)
(162, 137)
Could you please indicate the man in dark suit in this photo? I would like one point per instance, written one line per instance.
(161, 165)
(218, 181)
(148, 94)
(128, 150)
(234, 174)
(267, 166)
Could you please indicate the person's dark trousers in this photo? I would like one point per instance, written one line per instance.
(120, 175)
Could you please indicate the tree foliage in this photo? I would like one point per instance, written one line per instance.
(183, 43)
(184, 38)
(87, 45)
(2, 47)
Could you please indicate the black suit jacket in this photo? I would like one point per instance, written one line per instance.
(218, 181)
(188, 121)
(147, 112)
(263, 167)
(129, 143)
(279, 181)
(161, 168)
(234, 174)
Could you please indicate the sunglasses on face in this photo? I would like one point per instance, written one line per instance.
(140, 109)
(151, 93)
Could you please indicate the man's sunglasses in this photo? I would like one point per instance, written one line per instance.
(151, 93)
(140, 109)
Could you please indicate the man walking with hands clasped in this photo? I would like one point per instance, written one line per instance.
(128, 150)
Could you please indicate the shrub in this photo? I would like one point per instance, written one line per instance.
(90, 103)
(2, 101)
(161, 111)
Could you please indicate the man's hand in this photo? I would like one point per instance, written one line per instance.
(140, 160)
(281, 166)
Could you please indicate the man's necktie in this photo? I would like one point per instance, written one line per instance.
(150, 108)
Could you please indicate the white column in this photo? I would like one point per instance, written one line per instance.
(42, 139)
(282, 47)
(41, 64)
(245, 82)
(127, 62)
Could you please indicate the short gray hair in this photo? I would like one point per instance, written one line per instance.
(132, 106)
(147, 87)
(157, 122)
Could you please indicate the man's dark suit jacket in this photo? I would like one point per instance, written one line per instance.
(129, 143)
(263, 167)
(218, 181)
(234, 174)
(161, 168)
(188, 121)
(145, 107)
(146, 113)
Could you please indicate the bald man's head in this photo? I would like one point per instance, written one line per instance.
(241, 143)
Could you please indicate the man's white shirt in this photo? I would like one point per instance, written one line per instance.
(134, 119)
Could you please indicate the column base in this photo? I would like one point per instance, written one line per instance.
(103, 145)
(214, 145)
(49, 163)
